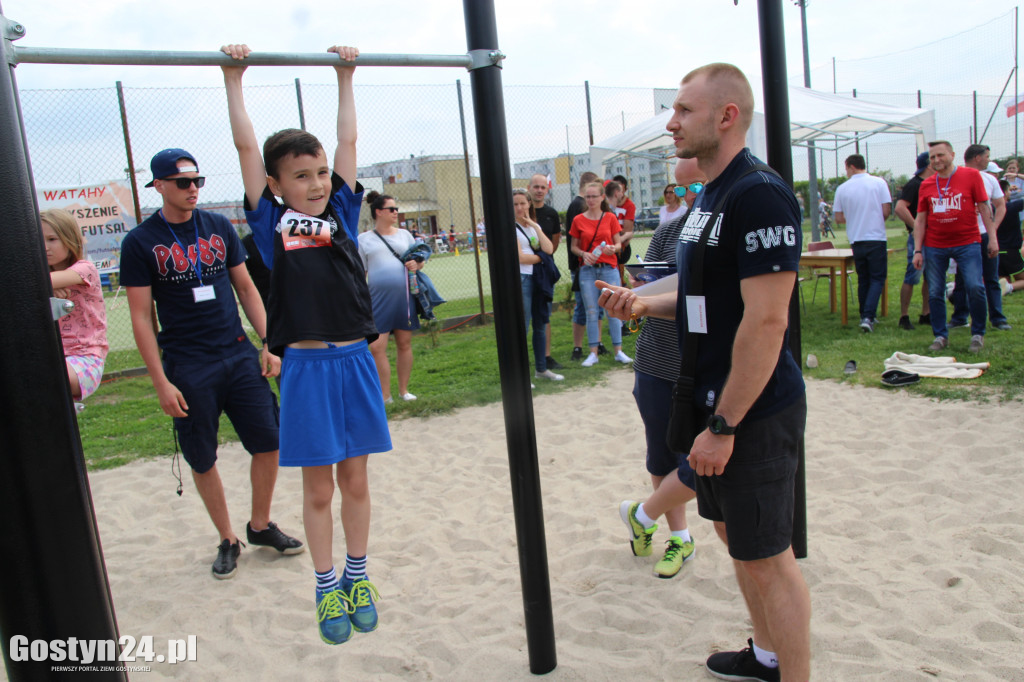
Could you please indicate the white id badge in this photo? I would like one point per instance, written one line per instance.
(204, 293)
(696, 315)
(940, 206)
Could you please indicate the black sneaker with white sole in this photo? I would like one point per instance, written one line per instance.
(740, 665)
(272, 536)
(226, 564)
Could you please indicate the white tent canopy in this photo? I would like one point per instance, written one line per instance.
(830, 121)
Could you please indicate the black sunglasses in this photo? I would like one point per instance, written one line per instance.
(183, 183)
(393, 209)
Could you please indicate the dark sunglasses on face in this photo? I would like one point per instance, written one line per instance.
(393, 209)
(183, 183)
(694, 187)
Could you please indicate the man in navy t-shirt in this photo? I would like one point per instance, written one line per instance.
(748, 388)
(191, 263)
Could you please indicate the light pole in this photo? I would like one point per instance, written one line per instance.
(812, 165)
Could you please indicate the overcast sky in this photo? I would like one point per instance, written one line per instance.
(649, 43)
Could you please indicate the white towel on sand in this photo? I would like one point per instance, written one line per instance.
(942, 367)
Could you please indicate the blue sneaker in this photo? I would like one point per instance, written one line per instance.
(332, 614)
(361, 595)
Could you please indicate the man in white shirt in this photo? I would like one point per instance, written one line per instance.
(863, 203)
(977, 157)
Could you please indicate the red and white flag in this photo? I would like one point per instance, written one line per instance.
(1015, 107)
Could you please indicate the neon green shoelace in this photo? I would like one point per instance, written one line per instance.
(361, 593)
(334, 604)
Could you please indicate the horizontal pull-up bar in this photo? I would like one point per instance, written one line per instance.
(58, 55)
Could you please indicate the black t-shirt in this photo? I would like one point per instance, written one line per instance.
(165, 256)
(547, 218)
(1008, 233)
(317, 285)
(909, 195)
(576, 206)
(758, 232)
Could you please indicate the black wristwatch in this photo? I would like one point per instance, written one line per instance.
(718, 426)
(264, 340)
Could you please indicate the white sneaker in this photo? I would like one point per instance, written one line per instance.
(407, 397)
(389, 400)
(1007, 288)
(591, 360)
(623, 358)
(548, 374)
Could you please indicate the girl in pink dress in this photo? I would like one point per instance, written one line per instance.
(84, 330)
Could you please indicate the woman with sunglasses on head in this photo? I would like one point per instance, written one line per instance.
(532, 240)
(394, 306)
(674, 206)
(656, 369)
(596, 238)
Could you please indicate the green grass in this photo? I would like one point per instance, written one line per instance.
(458, 368)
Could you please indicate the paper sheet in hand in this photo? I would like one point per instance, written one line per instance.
(660, 286)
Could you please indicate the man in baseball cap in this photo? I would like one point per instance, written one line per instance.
(165, 164)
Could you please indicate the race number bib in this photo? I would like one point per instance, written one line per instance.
(300, 231)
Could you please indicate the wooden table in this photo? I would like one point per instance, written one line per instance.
(841, 260)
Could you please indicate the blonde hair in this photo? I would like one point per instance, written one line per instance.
(730, 85)
(66, 228)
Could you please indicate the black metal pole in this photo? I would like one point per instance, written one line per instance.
(590, 117)
(472, 205)
(128, 153)
(812, 161)
(510, 332)
(298, 99)
(780, 157)
(55, 584)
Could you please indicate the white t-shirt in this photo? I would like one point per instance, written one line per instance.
(860, 200)
(524, 246)
(665, 215)
(994, 192)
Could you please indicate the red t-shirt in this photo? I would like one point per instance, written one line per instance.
(627, 211)
(951, 205)
(583, 232)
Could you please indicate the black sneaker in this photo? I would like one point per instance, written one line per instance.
(577, 354)
(273, 537)
(740, 665)
(554, 364)
(905, 323)
(925, 319)
(601, 350)
(226, 564)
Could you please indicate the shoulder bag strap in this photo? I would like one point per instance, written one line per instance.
(695, 286)
(594, 238)
(393, 252)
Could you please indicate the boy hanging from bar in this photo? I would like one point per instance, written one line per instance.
(320, 323)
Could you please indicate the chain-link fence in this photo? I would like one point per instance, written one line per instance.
(410, 146)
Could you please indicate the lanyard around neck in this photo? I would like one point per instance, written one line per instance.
(942, 191)
(195, 266)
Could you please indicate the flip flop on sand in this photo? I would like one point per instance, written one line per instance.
(898, 377)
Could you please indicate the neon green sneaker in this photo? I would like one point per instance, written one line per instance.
(677, 553)
(332, 615)
(639, 537)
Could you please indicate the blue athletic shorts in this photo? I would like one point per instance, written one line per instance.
(754, 496)
(235, 386)
(331, 406)
(912, 276)
(654, 400)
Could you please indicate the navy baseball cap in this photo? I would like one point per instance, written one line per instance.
(165, 163)
(922, 162)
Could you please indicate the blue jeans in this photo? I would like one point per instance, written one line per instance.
(993, 292)
(588, 275)
(968, 263)
(870, 261)
(540, 338)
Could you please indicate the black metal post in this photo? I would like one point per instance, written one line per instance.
(55, 584)
(472, 204)
(974, 107)
(590, 118)
(780, 157)
(128, 153)
(298, 99)
(812, 165)
(510, 332)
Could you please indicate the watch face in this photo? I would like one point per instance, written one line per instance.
(717, 425)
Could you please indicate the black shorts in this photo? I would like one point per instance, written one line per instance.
(1010, 263)
(233, 385)
(754, 496)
